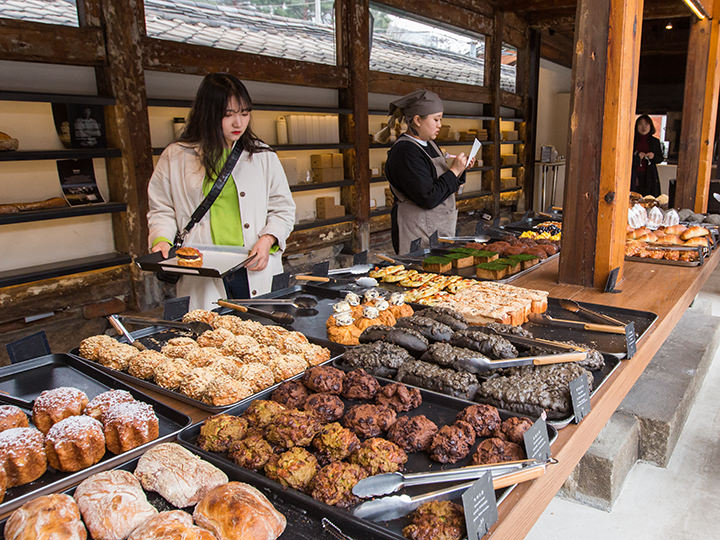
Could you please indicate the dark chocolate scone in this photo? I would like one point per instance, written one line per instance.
(399, 397)
(495, 450)
(324, 379)
(291, 394)
(413, 433)
(369, 420)
(326, 407)
(359, 384)
(513, 429)
(407, 338)
(433, 330)
(446, 381)
(446, 316)
(484, 418)
(452, 443)
(380, 359)
(493, 346)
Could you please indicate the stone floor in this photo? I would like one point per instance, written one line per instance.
(680, 502)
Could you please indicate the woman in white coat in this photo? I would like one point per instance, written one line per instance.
(255, 208)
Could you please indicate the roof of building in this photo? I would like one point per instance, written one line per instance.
(244, 28)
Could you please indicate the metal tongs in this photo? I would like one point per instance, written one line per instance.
(396, 506)
(479, 238)
(196, 327)
(547, 320)
(481, 364)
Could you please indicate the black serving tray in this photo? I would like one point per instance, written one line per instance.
(302, 523)
(439, 408)
(612, 344)
(218, 262)
(154, 337)
(28, 379)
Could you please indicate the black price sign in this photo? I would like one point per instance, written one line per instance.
(321, 269)
(280, 281)
(580, 395)
(630, 340)
(175, 308)
(434, 242)
(360, 258)
(537, 443)
(415, 245)
(480, 507)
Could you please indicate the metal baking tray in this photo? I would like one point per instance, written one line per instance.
(28, 379)
(218, 261)
(613, 344)
(440, 408)
(665, 261)
(414, 262)
(154, 337)
(302, 523)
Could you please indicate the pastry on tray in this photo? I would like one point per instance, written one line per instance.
(172, 524)
(45, 518)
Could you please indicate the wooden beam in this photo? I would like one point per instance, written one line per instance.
(27, 41)
(495, 61)
(391, 83)
(557, 47)
(559, 17)
(448, 14)
(699, 80)
(699, 113)
(602, 105)
(529, 87)
(355, 27)
(174, 57)
(513, 100)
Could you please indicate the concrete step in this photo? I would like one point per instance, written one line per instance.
(649, 421)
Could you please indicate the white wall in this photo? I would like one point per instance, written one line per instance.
(553, 119)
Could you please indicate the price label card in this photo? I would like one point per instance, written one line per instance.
(580, 395)
(537, 443)
(480, 507)
(415, 245)
(280, 281)
(434, 242)
(175, 308)
(321, 269)
(360, 258)
(630, 339)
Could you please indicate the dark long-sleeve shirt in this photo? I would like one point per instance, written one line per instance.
(410, 170)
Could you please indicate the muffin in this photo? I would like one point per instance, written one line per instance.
(143, 364)
(51, 406)
(252, 452)
(169, 373)
(225, 390)
(378, 456)
(129, 425)
(369, 420)
(413, 433)
(214, 338)
(102, 402)
(219, 432)
(200, 315)
(12, 417)
(22, 455)
(261, 412)
(91, 347)
(484, 418)
(75, 443)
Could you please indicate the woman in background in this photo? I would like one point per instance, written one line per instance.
(255, 208)
(647, 153)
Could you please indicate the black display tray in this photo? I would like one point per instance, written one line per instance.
(155, 337)
(28, 379)
(302, 523)
(440, 408)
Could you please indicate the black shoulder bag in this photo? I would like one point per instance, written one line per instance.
(203, 208)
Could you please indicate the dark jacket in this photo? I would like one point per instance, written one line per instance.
(647, 183)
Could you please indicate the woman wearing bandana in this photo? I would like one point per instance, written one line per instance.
(422, 182)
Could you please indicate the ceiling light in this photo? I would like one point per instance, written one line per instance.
(668, 26)
(697, 8)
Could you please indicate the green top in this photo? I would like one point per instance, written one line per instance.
(522, 257)
(436, 260)
(494, 265)
(458, 255)
(225, 220)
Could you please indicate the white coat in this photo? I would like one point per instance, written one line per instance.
(266, 207)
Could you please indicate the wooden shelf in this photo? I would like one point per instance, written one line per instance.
(478, 169)
(512, 142)
(513, 166)
(382, 211)
(63, 212)
(513, 119)
(187, 103)
(467, 116)
(378, 179)
(285, 147)
(303, 225)
(472, 195)
(320, 185)
(69, 153)
(439, 143)
(9, 95)
(62, 268)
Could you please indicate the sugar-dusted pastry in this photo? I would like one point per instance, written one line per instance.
(53, 405)
(102, 402)
(238, 511)
(113, 504)
(12, 417)
(75, 443)
(178, 475)
(171, 525)
(22, 455)
(50, 517)
(129, 425)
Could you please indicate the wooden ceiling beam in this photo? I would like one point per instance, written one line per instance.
(562, 17)
(391, 83)
(447, 13)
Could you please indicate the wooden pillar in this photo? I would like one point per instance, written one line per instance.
(354, 53)
(699, 113)
(605, 73)
(495, 61)
(529, 88)
(127, 122)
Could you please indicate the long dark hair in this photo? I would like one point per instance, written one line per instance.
(648, 120)
(204, 125)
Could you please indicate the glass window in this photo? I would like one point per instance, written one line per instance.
(62, 12)
(508, 68)
(403, 44)
(293, 29)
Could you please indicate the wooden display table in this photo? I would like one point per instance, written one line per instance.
(665, 290)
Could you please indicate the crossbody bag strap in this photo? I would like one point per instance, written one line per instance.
(214, 193)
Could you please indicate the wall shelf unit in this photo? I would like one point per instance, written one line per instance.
(62, 212)
(7, 95)
(62, 268)
(304, 225)
(70, 153)
(320, 185)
